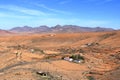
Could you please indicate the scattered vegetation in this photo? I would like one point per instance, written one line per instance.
(18, 47)
(104, 36)
(37, 50)
(71, 50)
(77, 57)
(51, 56)
(47, 76)
(90, 78)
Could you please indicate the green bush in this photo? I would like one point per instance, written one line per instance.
(81, 51)
(77, 57)
(38, 50)
(90, 78)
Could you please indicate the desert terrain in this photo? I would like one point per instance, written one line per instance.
(46, 56)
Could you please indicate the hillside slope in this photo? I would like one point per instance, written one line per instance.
(100, 50)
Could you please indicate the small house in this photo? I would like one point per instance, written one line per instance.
(41, 73)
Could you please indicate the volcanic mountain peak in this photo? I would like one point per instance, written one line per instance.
(59, 29)
(21, 29)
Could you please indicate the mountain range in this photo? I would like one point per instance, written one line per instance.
(5, 32)
(58, 29)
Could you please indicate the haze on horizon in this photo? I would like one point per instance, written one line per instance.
(89, 13)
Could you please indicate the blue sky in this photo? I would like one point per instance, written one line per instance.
(88, 13)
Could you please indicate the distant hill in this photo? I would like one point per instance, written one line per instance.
(21, 29)
(58, 29)
(4, 32)
(28, 29)
(74, 29)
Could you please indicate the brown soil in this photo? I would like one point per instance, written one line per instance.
(102, 56)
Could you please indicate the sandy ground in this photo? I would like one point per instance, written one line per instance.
(101, 60)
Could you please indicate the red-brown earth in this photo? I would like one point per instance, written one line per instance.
(101, 51)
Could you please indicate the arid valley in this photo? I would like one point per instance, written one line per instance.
(60, 56)
(59, 39)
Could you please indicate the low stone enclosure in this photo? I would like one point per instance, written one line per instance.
(47, 76)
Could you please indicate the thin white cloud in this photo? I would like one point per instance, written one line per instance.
(3, 15)
(65, 2)
(51, 9)
(10, 15)
(23, 10)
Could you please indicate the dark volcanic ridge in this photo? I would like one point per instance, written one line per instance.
(58, 29)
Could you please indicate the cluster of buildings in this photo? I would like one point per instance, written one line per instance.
(73, 60)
